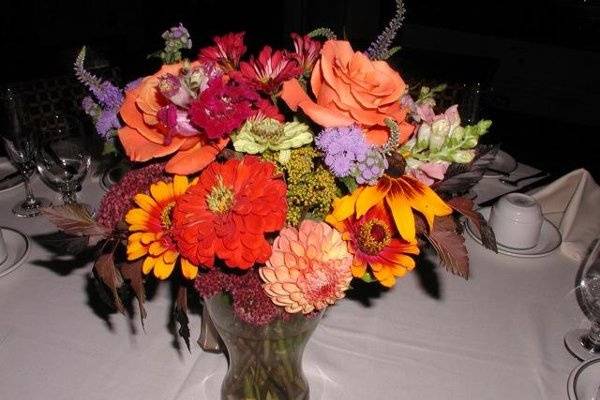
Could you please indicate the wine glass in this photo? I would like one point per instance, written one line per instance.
(582, 343)
(63, 161)
(20, 143)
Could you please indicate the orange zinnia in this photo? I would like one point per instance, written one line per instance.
(229, 211)
(402, 195)
(143, 138)
(150, 225)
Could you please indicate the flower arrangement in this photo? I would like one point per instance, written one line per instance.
(276, 179)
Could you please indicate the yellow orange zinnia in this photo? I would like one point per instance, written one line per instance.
(150, 225)
(402, 195)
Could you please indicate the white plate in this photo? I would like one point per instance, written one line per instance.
(503, 162)
(584, 381)
(17, 246)
(550, 239)
(7, 168)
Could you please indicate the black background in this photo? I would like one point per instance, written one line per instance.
(537, 60)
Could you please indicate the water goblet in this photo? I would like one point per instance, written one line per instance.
(63, 161)
(21, 144)
(585, 344)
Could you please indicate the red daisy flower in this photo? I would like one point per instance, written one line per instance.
(227, 214)
(372, 240)
(269, 70)
(227, 52)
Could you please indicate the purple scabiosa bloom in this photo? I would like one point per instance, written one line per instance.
(109, 96)
(371, 168)
(343, 148)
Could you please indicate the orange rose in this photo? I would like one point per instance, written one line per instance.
(143, 138)
(349, 88)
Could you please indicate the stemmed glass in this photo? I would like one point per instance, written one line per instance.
(20, 143)
(585, 344)
(63, 161)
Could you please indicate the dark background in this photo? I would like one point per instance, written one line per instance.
(536, 60)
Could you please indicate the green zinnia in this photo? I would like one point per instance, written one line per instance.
(258, 136)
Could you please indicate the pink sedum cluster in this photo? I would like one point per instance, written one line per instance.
(309, 268)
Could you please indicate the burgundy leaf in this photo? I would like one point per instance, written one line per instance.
(108, 274)
(132, 272)
(464, 206)
(450, 246)
(181, 315)
(75, 219)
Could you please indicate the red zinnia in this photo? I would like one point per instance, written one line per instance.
(227, 52)
(269, 70)
(222, 107)
(228, 211)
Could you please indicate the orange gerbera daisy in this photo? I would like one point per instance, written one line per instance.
(151, 226)
(373, 241)
(402, 195)
(229, 211)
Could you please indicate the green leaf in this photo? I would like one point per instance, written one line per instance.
(350, 183)
(367, 277)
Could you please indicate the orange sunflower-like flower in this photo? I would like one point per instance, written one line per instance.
(228, 213)
(151, 228)
(309, 268)
(401, 195)
(374, 243)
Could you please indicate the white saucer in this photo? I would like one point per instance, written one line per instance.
(17, 246)
(6, 168)
(584, 381)
(503, 162)
(573, 343)
(550, 239)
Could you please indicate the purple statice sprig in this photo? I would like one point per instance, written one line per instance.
(380, 48)
(369, 170)
(343, 147)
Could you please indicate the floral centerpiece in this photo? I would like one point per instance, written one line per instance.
(267, 183)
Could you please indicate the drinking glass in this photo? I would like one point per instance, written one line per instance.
(20, 142)
(63, 161)
(585, 344)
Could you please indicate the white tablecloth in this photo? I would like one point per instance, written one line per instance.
(497, 336)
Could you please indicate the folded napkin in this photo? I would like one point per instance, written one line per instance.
(577, 197)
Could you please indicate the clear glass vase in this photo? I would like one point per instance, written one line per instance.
(265, 363)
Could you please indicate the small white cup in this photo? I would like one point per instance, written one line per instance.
(3, 251)
(517, 220)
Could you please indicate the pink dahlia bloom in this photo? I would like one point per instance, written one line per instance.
(226, 53)
(309, 268)
(268, 72)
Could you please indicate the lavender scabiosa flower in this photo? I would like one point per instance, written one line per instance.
(343, 148)
(106, 122)
(369, 170)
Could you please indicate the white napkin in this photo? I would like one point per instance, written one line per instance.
(577, 196)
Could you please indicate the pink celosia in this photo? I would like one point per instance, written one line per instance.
(309, 268)
(227, 52)
(268, 72)
(119, 198)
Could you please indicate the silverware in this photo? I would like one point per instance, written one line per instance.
(515, 182)
(523, 189)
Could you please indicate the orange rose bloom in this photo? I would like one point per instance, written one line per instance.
(349, 88)
(143, 138)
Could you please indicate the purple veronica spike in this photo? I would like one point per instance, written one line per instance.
(380, 48)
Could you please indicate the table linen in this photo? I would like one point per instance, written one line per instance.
(497, 335)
